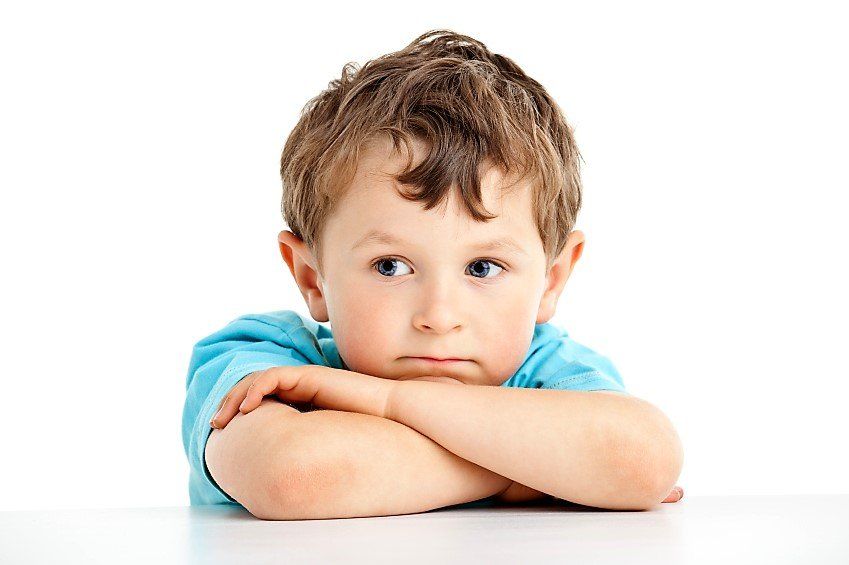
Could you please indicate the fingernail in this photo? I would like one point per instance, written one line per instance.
(212, 424)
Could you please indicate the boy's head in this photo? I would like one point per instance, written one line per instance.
(397, 177)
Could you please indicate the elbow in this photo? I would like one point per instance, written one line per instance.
(285, 495)
(299, 491)
(648, 461)
(665, 470)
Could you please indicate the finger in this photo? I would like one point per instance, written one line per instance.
(264, 384)
(223, 400)
(230, 405)
(673, 495)
(243, 383)
(676, 494)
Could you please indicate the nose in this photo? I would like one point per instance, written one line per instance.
(439, 311)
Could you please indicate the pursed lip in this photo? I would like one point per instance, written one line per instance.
(436, 360)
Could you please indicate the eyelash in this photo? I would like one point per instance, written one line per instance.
(487, 259)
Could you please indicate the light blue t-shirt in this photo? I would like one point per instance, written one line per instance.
(255, 342)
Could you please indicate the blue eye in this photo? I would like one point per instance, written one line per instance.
(487, 270)
(386, 266)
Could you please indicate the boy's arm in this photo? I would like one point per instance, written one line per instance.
(520, 493)
(285, 465)
(604, 450)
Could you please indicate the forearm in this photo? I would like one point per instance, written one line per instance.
(358, 465)
(595, 449)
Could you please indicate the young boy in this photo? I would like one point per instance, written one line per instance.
(431, 197)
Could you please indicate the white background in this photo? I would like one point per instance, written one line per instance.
(140, 206)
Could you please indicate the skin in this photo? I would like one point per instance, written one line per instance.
(436, 295)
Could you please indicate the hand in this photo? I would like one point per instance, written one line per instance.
(324, 387)
(676, 494)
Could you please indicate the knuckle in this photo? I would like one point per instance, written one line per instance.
(252, 377)
(312, 371)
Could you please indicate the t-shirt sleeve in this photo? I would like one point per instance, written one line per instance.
(556, 361)
(218, 362)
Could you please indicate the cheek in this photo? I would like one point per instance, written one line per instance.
(506, 337)
(505, 349)
(508, 311)
(365, 331)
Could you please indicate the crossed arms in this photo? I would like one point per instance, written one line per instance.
(457, 444)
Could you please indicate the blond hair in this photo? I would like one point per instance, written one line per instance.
(467, 104)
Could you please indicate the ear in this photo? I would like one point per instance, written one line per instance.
(559, 274)
(302, 265)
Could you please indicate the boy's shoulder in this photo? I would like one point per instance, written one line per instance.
(277, 329)
(288, 321)
(555, 360)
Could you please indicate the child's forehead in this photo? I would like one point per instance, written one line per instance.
(502, 243)
(374, 212)
(374, 202)
(377, 198)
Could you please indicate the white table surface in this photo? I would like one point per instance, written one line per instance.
(722, 530)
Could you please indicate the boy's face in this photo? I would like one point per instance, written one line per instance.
(434, 291)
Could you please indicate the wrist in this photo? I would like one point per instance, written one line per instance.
(391, 395)
(363, 393)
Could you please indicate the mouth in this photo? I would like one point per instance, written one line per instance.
(435, 361)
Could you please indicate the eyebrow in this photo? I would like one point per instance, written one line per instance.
(375, 237)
